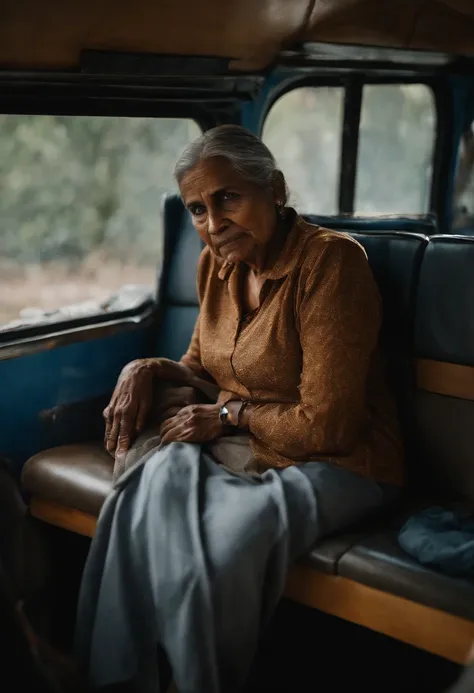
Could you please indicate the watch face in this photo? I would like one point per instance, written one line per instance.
(224, 414)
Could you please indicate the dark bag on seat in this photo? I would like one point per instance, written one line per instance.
(441, 539)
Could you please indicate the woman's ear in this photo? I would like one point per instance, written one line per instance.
(279, 188)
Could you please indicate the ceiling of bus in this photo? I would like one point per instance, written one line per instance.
(52, 33)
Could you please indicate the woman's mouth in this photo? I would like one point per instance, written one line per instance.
(229, 242)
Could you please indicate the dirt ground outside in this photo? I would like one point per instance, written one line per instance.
(28, 289)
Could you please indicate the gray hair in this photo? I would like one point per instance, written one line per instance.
(246, 152)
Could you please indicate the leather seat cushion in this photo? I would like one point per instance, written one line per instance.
(76, 476)
(326, 554)
(379, 562)
(80, 477)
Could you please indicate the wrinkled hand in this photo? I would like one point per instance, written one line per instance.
(132, 399)
(197, 423)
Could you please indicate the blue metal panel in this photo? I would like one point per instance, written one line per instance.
(176, 331)
(64, 375)
(253, 112)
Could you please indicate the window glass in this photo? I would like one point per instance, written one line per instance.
(80, 220)
(463, 203)
(396, 141)
(303, 130)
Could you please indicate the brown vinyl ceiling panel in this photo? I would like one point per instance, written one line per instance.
(50, 34)
(436, 25)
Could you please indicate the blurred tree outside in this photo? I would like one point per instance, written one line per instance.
(396, 143)
(80, 206)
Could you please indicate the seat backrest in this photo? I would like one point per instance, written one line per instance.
(444, 341)
(395, 247)
(178, 298)
(395, 259)
(423, 224)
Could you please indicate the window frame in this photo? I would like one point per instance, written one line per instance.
(28, 339)
(353, 86)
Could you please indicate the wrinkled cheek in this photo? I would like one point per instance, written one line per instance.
(259, 224)
(203, 234)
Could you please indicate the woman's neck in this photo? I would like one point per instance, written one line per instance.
(265, 260)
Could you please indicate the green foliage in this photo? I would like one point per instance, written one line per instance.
(71, 185)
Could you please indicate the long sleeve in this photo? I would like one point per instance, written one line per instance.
(338, 316)
(192, 357)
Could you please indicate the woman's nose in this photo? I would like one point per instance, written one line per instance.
(214, 222)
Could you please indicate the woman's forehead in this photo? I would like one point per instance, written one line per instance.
(208, 176)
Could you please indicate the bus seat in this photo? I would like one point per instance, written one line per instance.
(395, 258)
(378, 561)
(445, 350)
(395, 248)
(444, 336)
(178, 298)
(74, 478)
(422, 224)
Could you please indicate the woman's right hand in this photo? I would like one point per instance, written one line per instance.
(127, 412)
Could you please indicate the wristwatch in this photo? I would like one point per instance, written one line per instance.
(224, 414)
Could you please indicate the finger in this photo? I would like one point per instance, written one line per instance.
(112, 434)
(179, 418)
(186, 435)
(142, 415)
(108, 415)
(168, 425)
(173, 433)
(127, 426)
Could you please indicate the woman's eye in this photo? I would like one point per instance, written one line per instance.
(198, 210)
(227, 196)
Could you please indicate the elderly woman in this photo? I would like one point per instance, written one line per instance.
(192, 548)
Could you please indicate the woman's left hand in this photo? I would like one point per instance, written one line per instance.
(197, 423)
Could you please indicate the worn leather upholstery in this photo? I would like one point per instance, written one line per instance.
(395, 256)
(444, 331)
(424, 225)
(379, 562)
(178, 293)
(395, 248)
(75, 476)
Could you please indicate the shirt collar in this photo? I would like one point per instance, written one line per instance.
(287, 260)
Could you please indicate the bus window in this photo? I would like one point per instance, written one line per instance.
(80, 223)
(304, 132)
(396, 142)
(463, 205)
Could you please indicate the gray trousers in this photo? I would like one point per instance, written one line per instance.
(194, 558)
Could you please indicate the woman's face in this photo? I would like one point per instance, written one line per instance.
(237, 219)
